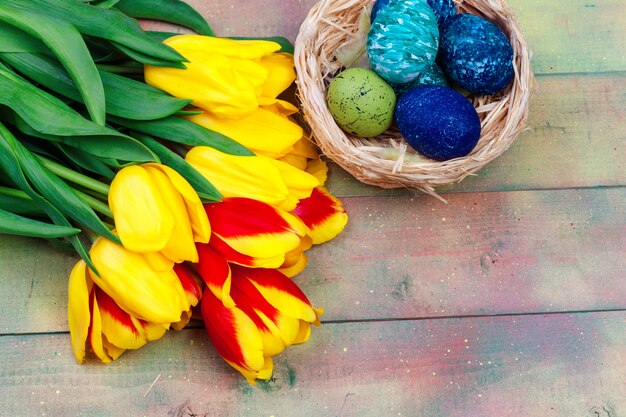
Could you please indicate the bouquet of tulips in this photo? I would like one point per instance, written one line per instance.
(171, 165)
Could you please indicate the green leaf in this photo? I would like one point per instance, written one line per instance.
(18, 202)
(86, 161)
(94, 21)
(68, 45)
(106, 4)
(176, 129)
(203, 187)
(58, 192)
(11, 166)
(125, 97)
(171, 11)
(23, 226)
(147, 59)
(13, 39)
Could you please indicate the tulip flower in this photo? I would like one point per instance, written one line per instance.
(323, 214)
(157, 211)
(249, 233)
(257, 177)
(229, 78)
(263, 132)
(270, 314)
(127, 305)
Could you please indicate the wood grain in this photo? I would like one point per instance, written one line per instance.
(554, 365)
(406, 257)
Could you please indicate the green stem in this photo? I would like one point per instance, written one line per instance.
(14, 193)
(95, 204)
(75, 177)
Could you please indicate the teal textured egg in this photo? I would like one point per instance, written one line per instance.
(403, 40)
(430, 76)
(361, 102)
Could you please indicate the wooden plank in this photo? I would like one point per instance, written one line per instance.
(406, 257)
(565, 35)
(555, 365)
(577, 138)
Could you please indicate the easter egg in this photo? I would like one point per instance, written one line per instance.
(361, 102)
(378, 5)
(431, 76)
(403, 40)
(438, 122)
(475, 54)
(442, 9)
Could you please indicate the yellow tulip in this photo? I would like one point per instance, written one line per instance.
(156, 210)
(229, 78)
(262, 131)
(109, 323)
(257, 177)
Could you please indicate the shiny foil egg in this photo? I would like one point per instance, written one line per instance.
(438, 122)
(475, 54)
(361, 102)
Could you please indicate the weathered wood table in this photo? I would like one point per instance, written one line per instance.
(508, 301)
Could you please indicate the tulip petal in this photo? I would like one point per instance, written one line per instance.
(304, 147)
(158, 261)
(255, 229)
(180, 247)
(277, 330)
(119, 327)
(240, 176)
(153, 331)
(299, 183)
(295, 268)
(296, 161)
(192, 288)
(323, 214)
(113, 351)
(215, 272)
(95, 333)
(262, 131)
(319, 169)
(281, 292)
(232, 256)
(184, 320)
(142, 219)
(234, 336)
(197, 216)
(281, 73)
(78, 311)
(155, 296)
(246, 49)
(280, 107)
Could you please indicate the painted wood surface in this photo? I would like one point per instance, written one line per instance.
(541, 365)
(406, 257)
(432, 309)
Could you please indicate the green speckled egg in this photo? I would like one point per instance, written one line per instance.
(361, 102)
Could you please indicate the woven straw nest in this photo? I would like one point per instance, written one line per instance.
(386, 160)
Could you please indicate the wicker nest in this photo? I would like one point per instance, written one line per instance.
(386, 160)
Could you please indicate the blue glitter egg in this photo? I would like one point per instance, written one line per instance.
(378, 5)
(475, 54)
(403, 40)
(443, 9)
(431, 76)
(438, 122)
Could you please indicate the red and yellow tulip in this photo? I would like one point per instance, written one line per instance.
(269, 313)
(128, 304)
(156, 211)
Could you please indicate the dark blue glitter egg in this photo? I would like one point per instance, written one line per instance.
(378, 5)
(475, 54)
(443, 9)
(438, 122)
